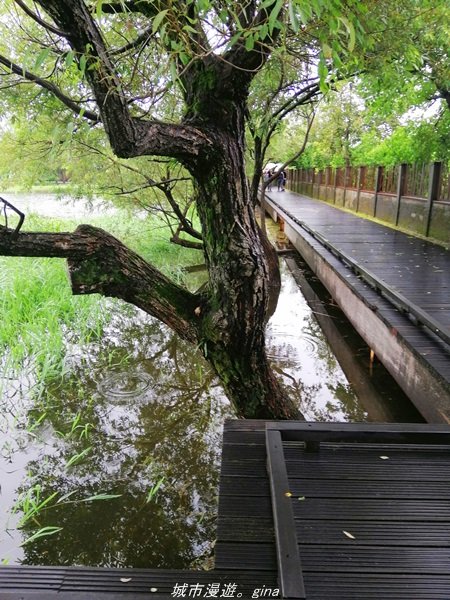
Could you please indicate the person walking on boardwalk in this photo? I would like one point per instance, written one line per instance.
(281, 180)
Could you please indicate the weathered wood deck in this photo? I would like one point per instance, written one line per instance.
(365, 516)
(397, 282)
(90, 583)
(319, 511)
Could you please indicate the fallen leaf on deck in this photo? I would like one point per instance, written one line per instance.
(125, 579)
(384, 457)
(349, 535)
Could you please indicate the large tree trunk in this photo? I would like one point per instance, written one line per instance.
(239, 291)
(239, 265)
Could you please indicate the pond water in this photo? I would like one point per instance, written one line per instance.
(58, 205)
(117, 463)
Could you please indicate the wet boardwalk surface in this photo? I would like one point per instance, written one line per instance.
(416, 268)
(369, 519)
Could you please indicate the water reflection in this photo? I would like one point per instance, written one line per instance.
(53, 205)
(304, 359)
(95, 441)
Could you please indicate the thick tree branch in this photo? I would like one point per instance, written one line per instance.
(51, 87)
(99, 263)
(129, 136)
(38, 19)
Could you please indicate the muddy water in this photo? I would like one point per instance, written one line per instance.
(124, 451)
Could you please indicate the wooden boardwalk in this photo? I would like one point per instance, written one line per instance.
(405, 280)
(307, 511)
(365, 516)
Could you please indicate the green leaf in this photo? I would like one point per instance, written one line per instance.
(45, 531)
(173, 71)
(327, 51)
(190, 29)
(77, 457)
(153, 490)
(41, 58)
(101, 497)
(323, 74)
(351, 32)
(69, 59)
(234, 39)
(82, 64)
(249, 43)
(66, 496)
(305, 12)
(263, 31)
(293, 16)
(184, 58)
(274, 15)
(158, 20)
(99, 8)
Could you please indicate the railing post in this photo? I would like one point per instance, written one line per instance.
(400, 189)
(334, 185)
(358, 186)
(346, 173)
(378, 182)
(433, 187)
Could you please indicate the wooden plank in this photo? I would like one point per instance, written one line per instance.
(243, 529)
(397, 509)
(351, 558)
(404, 267)
(363, 586)
(388, 433)
(378, 472)
(313, 487)
(347, 508)
(373, 533)
(85, 580)
(391, 490)
(256, 556)
(289, 566)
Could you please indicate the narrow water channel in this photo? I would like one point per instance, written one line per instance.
(117, 463)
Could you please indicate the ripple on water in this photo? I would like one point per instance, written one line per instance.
(287, 347)
(124, 384)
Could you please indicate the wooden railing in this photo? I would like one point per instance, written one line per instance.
(397, 194)
(416, 182)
